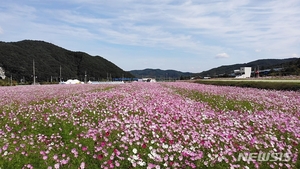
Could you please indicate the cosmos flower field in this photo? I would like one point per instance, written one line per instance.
(146, 125)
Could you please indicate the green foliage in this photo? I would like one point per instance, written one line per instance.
(263, 63)
(7, 82)
(291, 68)
(17, 60)
(161, 74)
(291, 65)
(218, 102)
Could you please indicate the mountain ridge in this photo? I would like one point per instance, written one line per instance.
(221, 70)
(16, 58)
(256, 64)
(160, 74)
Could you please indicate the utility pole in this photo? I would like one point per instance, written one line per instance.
(60, 74)
(33, 73)
(85, 77)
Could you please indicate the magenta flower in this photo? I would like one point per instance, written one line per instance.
(144, 145)
(84, 148)
(103, 144)
(100, 157)
(107, 134)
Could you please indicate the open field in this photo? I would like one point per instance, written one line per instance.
(263, 83)
(148, 125)
(259, 80)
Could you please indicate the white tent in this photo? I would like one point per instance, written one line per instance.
(71, 81)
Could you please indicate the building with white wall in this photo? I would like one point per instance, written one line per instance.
(244, 72)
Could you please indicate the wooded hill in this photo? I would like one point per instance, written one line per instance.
(16, 58)
(160, 74)
(291, 66)
(258, 64)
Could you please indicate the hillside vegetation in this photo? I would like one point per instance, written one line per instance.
(261, 64)
(160, 74)
(291, 66)
(16, 58)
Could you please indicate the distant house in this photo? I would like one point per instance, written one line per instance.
(244, 72)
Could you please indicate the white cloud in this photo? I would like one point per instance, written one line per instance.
(258, 50)
(222, 55)
(250, 29)
(294, 55)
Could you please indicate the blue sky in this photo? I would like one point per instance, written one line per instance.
(185, 35)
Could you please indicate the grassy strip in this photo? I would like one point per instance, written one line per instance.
(220, 103)
(255, 84)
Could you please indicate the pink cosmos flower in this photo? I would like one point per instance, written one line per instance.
(56, 166)
(84, 148)
(55, 157)
(103, 144)
(82, 165)
(117, 164)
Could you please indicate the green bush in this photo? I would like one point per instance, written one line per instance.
(7, 82)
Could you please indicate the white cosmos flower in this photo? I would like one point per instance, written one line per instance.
(141, 163)
(165, 146)
(192, 148)
(134, 150)
(135, 157)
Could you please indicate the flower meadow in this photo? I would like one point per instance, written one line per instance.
(147, 125)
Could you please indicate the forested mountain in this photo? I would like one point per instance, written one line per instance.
(289, 68)
(258, 64)
(289, 65)
(16, 58)
(160, 74)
